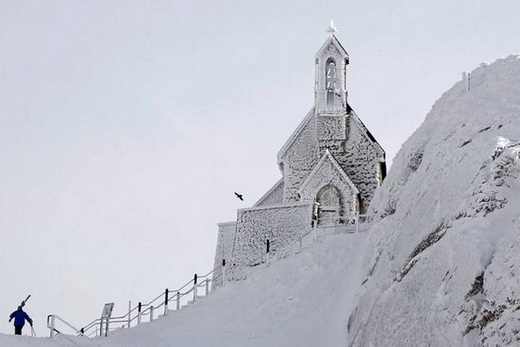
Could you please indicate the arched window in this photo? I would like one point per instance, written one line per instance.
(330, 80)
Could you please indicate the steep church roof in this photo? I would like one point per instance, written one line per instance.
(295, 134)
(328, 157)
(333, 40)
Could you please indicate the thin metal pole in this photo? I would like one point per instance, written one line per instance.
(223, 272)
(52, 326)
(268, 243)
(166, 298)
(129, 312)
(151, 313)
(207, 287)
(139, 307)
(195, 288)
(178, 300)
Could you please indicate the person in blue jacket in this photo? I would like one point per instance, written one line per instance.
(19, 320)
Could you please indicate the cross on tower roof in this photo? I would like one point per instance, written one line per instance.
(332, 29)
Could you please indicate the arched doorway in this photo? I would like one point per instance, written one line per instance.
(329, 200)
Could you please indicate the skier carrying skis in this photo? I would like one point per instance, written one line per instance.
(19, 320)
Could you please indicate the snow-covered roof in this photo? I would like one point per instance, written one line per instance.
(269, 192)
(366, 132)
(295, 134)
(335, 42)
(328, 156)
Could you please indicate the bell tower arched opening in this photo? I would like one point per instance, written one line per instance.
(330, 81)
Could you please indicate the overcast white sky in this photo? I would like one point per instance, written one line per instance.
(126, 126)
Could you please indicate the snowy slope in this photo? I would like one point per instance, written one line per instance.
(439, 268)
(442, 266)
(303, 300)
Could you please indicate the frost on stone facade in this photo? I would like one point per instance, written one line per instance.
(331, 166)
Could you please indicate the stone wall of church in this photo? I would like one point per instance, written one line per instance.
(299, 160)
(361, 160)
(280, 224)
(225, 241)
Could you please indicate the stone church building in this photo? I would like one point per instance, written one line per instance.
(330, 165)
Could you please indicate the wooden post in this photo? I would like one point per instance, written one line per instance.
(195, 287)
(268, 244)
(223, 272)
(166, 298)
(52, 325)
(139, 307)
(129, 312)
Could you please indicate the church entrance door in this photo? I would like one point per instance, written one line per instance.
(329, 210)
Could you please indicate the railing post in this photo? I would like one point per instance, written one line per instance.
(195, 288)
(178, 300)
(166, 294)
(106, 326)
(207, 286)
(139, 307)
(129, 312)
(268, 243)
(151, 313)
(223, 271)
(52, 325)
(101, 327)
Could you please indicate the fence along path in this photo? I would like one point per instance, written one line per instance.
(168, 300)
(198, 287)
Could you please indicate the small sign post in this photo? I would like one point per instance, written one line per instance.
(105, 316)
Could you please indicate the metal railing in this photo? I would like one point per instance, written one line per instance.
(318, 232)
(197, 287)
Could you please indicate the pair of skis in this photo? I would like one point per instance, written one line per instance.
(24, 301)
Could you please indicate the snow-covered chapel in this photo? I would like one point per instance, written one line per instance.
(330, 165)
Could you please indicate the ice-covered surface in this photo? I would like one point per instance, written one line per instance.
(279, 224)
(441, 267)
(303, 300)
(224, 251)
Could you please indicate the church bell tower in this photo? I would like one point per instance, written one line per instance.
(330, 88)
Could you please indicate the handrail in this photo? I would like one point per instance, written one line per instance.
(206, 281)
(143, 309)
(51, 325)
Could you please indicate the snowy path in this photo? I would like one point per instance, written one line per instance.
(303, 300)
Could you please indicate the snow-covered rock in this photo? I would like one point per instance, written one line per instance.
(442, 264)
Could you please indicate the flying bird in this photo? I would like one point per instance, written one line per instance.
(240, 196)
